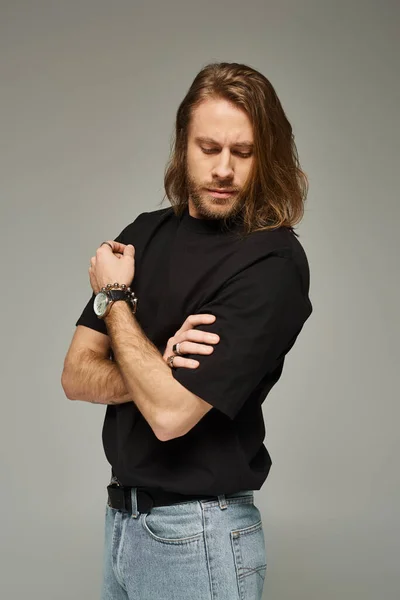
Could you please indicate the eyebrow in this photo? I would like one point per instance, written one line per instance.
(208, 140)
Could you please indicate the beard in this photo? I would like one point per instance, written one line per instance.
(209, 207)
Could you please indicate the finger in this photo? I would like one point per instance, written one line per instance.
(129, 250)
(194, 320)
(116, 246)
(202, 341)
(196, 335)
(189, 363)
(193, 348)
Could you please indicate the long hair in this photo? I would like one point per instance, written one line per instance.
(274, 193)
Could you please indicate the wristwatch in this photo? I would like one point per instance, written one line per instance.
(104, 300)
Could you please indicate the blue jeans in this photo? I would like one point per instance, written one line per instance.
(196, 550)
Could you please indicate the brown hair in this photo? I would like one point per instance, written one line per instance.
(276, 188)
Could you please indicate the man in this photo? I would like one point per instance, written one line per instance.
(215, 292)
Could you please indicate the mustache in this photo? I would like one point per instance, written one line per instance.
(221, 187)
(198, 188)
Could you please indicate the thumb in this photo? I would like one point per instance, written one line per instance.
(129, 250)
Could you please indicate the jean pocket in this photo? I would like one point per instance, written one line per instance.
(173, 526)
(248, 546)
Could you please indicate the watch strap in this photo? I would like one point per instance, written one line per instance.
(118, 294)
(115, 295)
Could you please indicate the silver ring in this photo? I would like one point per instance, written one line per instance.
(175, 348)
(170, 361)
(107, 245)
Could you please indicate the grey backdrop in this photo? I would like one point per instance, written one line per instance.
(89, 92)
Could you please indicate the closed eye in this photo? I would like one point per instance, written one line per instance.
(241, 154)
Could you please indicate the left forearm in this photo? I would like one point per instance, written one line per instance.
(158, 396)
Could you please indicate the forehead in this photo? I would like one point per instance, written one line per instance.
(222, 121)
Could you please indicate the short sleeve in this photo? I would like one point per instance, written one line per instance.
(88, 316)
(259, 314)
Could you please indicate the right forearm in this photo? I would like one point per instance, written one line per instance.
(95, 379)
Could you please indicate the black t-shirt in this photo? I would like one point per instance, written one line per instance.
(257, 287)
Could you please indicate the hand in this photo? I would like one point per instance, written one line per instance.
(112, 266)
(190, 341)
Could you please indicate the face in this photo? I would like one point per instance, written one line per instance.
(219, 156)
(100, 303)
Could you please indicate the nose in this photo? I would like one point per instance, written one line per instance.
(223, 167)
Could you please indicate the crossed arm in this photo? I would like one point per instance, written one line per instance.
(139, 374)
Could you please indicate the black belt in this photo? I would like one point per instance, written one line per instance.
(119, 497)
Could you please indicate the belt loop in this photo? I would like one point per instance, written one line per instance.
(135, 512)
(222, 501)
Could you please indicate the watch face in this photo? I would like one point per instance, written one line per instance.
(100, 303)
